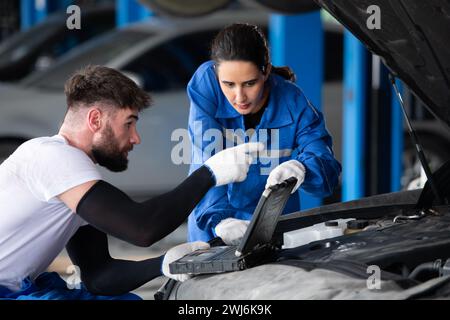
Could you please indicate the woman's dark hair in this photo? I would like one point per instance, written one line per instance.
(246, 42)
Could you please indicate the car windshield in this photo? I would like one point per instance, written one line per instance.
(95, 52)
(15, 47)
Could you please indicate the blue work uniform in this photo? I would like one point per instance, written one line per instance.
(50, 286)
(300, 135)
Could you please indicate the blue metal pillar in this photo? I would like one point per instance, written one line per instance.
(129, 11)
(397, 140)
(297, 41)
(386, 138)
(354, 118)
(34, 11)
(54, 5)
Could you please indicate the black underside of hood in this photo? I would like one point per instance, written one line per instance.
(413, 41)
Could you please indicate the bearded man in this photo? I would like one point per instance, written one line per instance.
(52, 196)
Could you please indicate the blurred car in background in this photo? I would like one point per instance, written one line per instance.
(161, 55)
(39, 46)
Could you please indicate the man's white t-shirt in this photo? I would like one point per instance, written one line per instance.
(34, 224)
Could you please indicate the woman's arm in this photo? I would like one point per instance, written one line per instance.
(314, 151)
(214, 206)
(113, 212)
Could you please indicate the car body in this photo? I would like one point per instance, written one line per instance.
(43, 43)
(399, 246)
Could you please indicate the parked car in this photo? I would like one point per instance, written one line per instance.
(39, 46)
(161, 55)
(399, 246)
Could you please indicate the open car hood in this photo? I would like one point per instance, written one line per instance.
(413, 42)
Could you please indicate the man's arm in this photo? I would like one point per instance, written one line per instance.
(113, 212)
(72, 197)
(103, 275)
(110, 210)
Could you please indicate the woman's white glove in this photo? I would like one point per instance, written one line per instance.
(291, 168)
(231, 165)
(231, 230)
(178, 252)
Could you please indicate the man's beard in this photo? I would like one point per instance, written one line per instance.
(107, 152)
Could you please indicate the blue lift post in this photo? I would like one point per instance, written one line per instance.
(397, 140)
(34, 11)
(356, 61)
(390, 166)
(297, 41)
(379, 119)
(386, 125)
(129, 11)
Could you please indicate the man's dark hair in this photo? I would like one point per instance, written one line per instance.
(99, 84)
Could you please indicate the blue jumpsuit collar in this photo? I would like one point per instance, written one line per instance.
(226, 111)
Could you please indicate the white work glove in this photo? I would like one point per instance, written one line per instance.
(231, 165)
(231, 230)
(291, 168)
(178, 252)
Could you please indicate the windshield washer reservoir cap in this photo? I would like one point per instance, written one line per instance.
(357, 224)
(331, 224)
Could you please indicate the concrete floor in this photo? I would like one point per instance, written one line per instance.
(122, 250)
